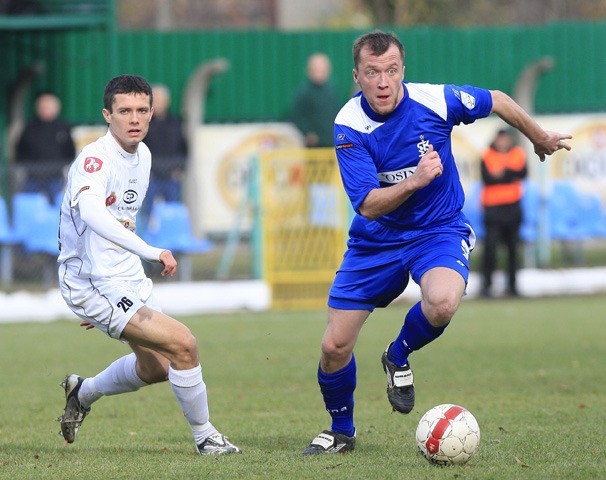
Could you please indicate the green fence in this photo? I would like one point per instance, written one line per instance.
(267, 66)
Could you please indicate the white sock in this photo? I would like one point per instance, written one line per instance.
(190, 390)
(120, 377)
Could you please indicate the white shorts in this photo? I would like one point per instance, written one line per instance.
(108, 304)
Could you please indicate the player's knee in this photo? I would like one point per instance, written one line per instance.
(335, 350)
(185, 349)
(440, 311)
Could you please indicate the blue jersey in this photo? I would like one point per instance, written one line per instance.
(376, 151)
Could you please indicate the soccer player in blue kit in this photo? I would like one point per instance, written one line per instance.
(395, 157)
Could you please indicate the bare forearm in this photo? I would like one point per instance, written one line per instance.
(545, 142)
(381, 201)
(517, 117)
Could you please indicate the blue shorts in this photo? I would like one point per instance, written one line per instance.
(373, 277)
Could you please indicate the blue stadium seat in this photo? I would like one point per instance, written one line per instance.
(7, 235)
(565, 222)
(58, 199)
(44, 237)
(170, 227)
(36, 223)
(472, 208)
(26, 206)
(591, 215)
(531, 202)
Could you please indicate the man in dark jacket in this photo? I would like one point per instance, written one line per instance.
(316, 103)
(45, 148)
(168, 146)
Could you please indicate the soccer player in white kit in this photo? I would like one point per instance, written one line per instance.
(102, 278)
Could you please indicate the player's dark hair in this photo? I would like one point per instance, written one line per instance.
(378, 42)
(126, 84)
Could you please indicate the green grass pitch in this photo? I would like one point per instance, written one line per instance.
(532, 371)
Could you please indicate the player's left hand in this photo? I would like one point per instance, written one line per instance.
(553, 142)
(169, 263)
(86, 325)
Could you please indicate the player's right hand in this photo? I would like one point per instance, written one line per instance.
(552, 142)
(429, 167)
(169, 263)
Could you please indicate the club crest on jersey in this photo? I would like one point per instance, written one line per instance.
(92, 164)
(111, 199)
(130, 196)
(423, 145)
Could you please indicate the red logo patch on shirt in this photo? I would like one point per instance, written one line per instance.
(110, 200)
(92, 164)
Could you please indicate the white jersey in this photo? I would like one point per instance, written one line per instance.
(105, 170)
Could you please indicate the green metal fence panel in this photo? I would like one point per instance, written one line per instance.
(74, 64)
(266, 67)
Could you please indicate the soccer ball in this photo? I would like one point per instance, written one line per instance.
(448, 434)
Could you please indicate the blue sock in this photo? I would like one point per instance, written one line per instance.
(337, 389)
(416, 333)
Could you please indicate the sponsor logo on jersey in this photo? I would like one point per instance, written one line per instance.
(111, 199)
(92, 164)
(468, 100)
(344, 145)
(130, 196)
(397, 175)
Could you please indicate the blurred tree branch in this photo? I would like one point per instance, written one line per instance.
(481, 12)
(179, 14)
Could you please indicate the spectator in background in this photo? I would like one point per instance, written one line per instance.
(45, 148)
(168, 146)
(316, 103)
(503, 169)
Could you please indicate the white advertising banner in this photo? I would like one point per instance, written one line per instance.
(219, 171)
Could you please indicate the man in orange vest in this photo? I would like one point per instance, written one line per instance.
(503, 170)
